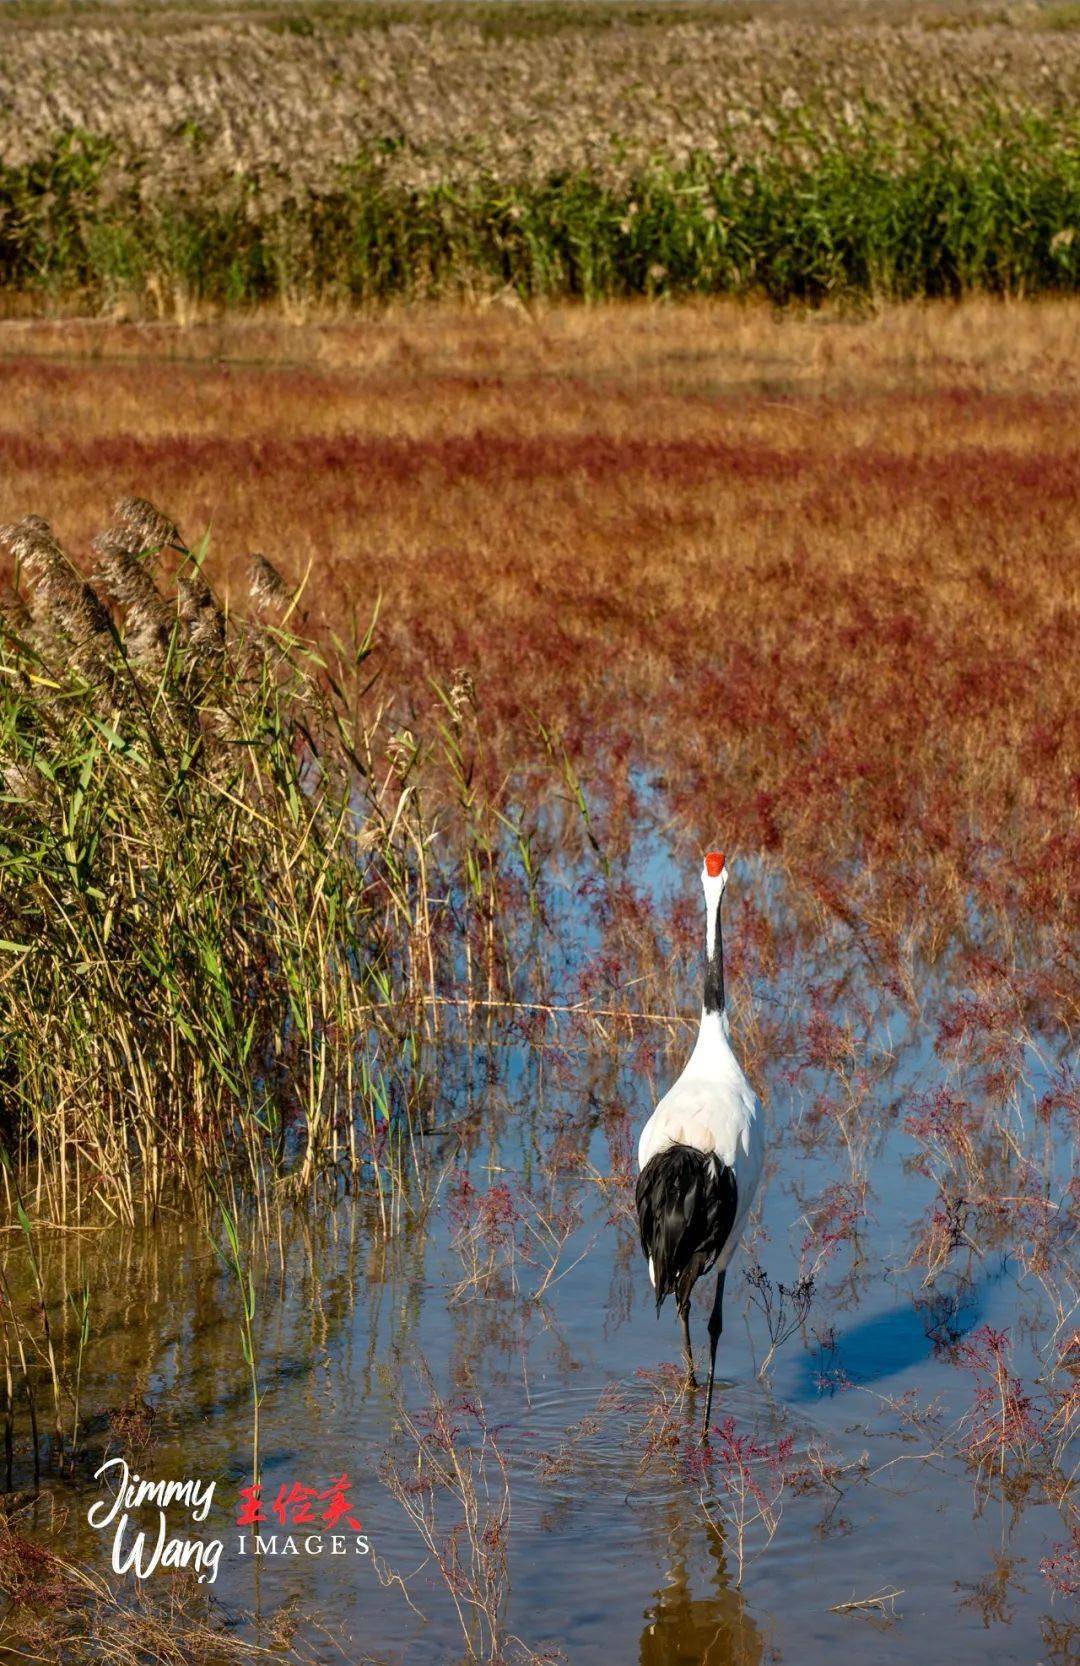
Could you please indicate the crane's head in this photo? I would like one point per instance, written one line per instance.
(714, 874)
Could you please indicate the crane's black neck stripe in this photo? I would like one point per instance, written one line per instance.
(714, 968)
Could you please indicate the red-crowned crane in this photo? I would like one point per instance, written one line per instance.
(701, 1154)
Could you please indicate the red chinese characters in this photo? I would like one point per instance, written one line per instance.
(295, 1505)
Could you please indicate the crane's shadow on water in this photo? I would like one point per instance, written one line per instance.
(928, 1325)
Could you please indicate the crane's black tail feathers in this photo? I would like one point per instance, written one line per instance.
(686, 1205)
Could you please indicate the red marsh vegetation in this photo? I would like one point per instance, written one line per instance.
(814, 576)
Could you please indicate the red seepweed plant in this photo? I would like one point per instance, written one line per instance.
(747, 1479)
(1004, 1427)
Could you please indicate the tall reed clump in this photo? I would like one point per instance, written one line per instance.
(218, 938)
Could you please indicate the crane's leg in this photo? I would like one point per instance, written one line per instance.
(684, 1315)
(716, 1325)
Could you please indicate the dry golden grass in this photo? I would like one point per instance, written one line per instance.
(818, 574)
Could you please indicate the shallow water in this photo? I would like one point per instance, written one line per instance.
(610, 1557)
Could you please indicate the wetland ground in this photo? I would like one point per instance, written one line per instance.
(801, 586)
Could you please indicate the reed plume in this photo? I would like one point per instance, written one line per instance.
(147, 525)
(129, 583)
(266, 587)
(202, 614)
(62, 602)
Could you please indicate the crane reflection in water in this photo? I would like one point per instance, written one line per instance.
(713, 1629)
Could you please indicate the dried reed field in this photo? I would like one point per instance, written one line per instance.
(155, 157)
(195, 95)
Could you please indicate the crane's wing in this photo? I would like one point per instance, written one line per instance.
(686, 1205)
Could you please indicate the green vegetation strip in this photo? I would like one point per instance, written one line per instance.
(998, 210)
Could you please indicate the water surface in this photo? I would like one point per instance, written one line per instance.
(610, 1554)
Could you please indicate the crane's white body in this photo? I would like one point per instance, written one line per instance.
(712, 1106)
